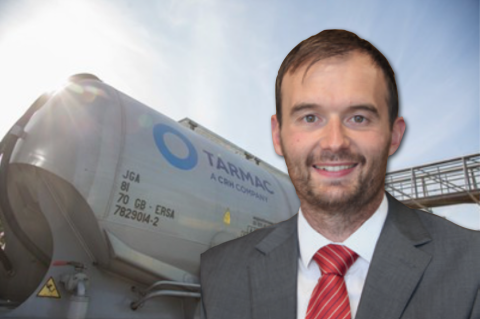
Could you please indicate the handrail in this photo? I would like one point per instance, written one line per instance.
(150, 293)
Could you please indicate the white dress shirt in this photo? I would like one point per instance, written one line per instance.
(362, 241)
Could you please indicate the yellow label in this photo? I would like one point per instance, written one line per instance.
(226, 217)
(49, 290)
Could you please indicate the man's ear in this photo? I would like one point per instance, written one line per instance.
(276, 135)
(398, 130)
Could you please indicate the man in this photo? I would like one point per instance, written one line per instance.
(352, 251)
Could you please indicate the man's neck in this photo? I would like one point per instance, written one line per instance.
(338, 225)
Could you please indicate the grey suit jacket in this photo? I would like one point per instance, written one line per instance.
(423, 267)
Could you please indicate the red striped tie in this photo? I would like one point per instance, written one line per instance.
(329, 299)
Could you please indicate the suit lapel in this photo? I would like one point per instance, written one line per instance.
(273, 276)
(397, 265)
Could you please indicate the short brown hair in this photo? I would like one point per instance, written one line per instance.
(330, 43)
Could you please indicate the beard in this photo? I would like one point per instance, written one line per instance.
(345, 197)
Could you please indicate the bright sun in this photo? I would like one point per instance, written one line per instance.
(46, 42)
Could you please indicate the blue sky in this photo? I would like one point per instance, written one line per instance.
(216, 61)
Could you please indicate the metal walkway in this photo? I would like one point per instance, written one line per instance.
(449, 182)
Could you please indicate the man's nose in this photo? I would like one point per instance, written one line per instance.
(334, 136)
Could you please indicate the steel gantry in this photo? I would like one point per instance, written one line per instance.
(449, 182)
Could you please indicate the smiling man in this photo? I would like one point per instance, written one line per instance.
(336, 136)
(352, 251)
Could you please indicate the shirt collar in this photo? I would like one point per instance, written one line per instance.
(362, 241)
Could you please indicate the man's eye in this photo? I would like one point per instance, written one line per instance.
(310, 118)
(359, 119)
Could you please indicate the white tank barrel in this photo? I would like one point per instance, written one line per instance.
(97, 177)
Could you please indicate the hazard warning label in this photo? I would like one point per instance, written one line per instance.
(49, 290)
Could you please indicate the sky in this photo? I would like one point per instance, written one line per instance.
(215, 61)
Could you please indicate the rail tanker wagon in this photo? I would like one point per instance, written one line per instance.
(107, 204)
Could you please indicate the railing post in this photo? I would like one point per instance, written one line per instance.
(440, 177)
(401, 189)
(465, 172)
(474, 181)
(424, 188)
(414, 184)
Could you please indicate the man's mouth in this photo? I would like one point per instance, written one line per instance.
(334, 168)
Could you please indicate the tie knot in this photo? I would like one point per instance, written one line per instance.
(335, 259)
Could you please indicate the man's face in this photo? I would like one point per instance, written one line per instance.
(335, 133)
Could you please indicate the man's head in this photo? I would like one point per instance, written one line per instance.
(337, 129)
(330, 43)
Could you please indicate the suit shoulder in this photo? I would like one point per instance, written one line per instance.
(436, 224)
(451, 239)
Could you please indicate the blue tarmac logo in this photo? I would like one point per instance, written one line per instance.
(186, 163)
